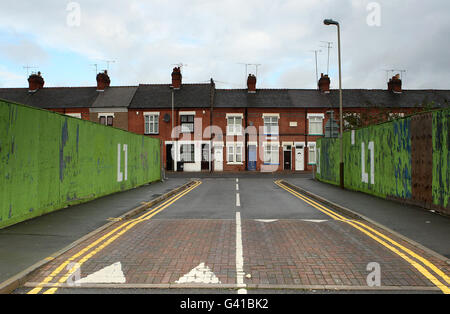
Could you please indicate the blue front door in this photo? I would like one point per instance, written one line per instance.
(252, 157)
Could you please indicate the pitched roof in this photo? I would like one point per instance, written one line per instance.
(115, 97)
(53, 97)
(160, 96)
(199, 96)
(352, 98)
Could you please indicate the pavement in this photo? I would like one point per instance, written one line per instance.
(245, 234)
(27, 243)
(427, 228)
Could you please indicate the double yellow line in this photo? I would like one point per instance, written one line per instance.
(394, 246)
(103, 242)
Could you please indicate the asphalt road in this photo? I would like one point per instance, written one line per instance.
(245, 235)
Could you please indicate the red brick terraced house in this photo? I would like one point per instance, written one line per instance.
(202, 128)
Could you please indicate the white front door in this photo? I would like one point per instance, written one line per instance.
(299, 158)
(218, 158)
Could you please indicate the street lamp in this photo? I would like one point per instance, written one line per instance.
(341, 165)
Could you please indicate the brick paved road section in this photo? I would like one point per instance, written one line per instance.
(163, 251)
(285, 242)
(292, 252)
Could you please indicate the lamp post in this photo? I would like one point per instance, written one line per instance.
(341, 165)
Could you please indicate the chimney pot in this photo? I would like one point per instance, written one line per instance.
(35, 82)
(251, 83)
(395, 84)
(103, 81)
(176, 78)
(324, 83)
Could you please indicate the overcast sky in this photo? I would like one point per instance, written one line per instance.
(215, 38)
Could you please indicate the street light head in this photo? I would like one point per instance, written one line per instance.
(330, 22)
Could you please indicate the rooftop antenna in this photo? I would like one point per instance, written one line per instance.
(329, 43)
(256, 65)
(108, 62)
(28, 69)
(181, 66)
(317, 71)
(387, 73)
(246, 70)
(401, 73)
(96, 67)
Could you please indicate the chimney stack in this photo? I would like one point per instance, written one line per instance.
(35, 82)
(324, 84)
(251, 84)
(176, 78)
(103, 81)
(395, 84)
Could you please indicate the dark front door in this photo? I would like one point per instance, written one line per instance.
(287, 160)
(205, 157)
(169, 157)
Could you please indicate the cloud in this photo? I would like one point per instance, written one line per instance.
(213, 37)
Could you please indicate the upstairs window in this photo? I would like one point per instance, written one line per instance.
(234, 125)
(151, 123)
(316, 124)
(187, 123)
(106, 118)
(271, 124)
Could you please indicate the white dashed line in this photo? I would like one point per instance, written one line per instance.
(239, 257)
(238, 200)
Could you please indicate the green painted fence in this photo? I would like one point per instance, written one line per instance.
(49, 161)
(389, 160)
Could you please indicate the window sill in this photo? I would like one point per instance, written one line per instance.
(235, 163)
(151, 133)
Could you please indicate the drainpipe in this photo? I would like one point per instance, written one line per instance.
(211, 149)
(306, 140)
(246, 139)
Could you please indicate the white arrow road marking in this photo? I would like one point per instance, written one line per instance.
(266, 220)
(200, 274)
(110, 274)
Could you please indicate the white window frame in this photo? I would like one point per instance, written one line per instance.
(74, 115)
(234, 128)
(184, 153)
(274, 153)
(106, 115)
(232, 150)
(315, 118)
(396, 115)
(187, 130)
(155, 122)
(312, 147)
(270, 128)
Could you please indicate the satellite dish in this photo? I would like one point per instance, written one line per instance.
(166, 117)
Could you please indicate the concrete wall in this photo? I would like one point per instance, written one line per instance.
(49, 161)
(406, 159)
